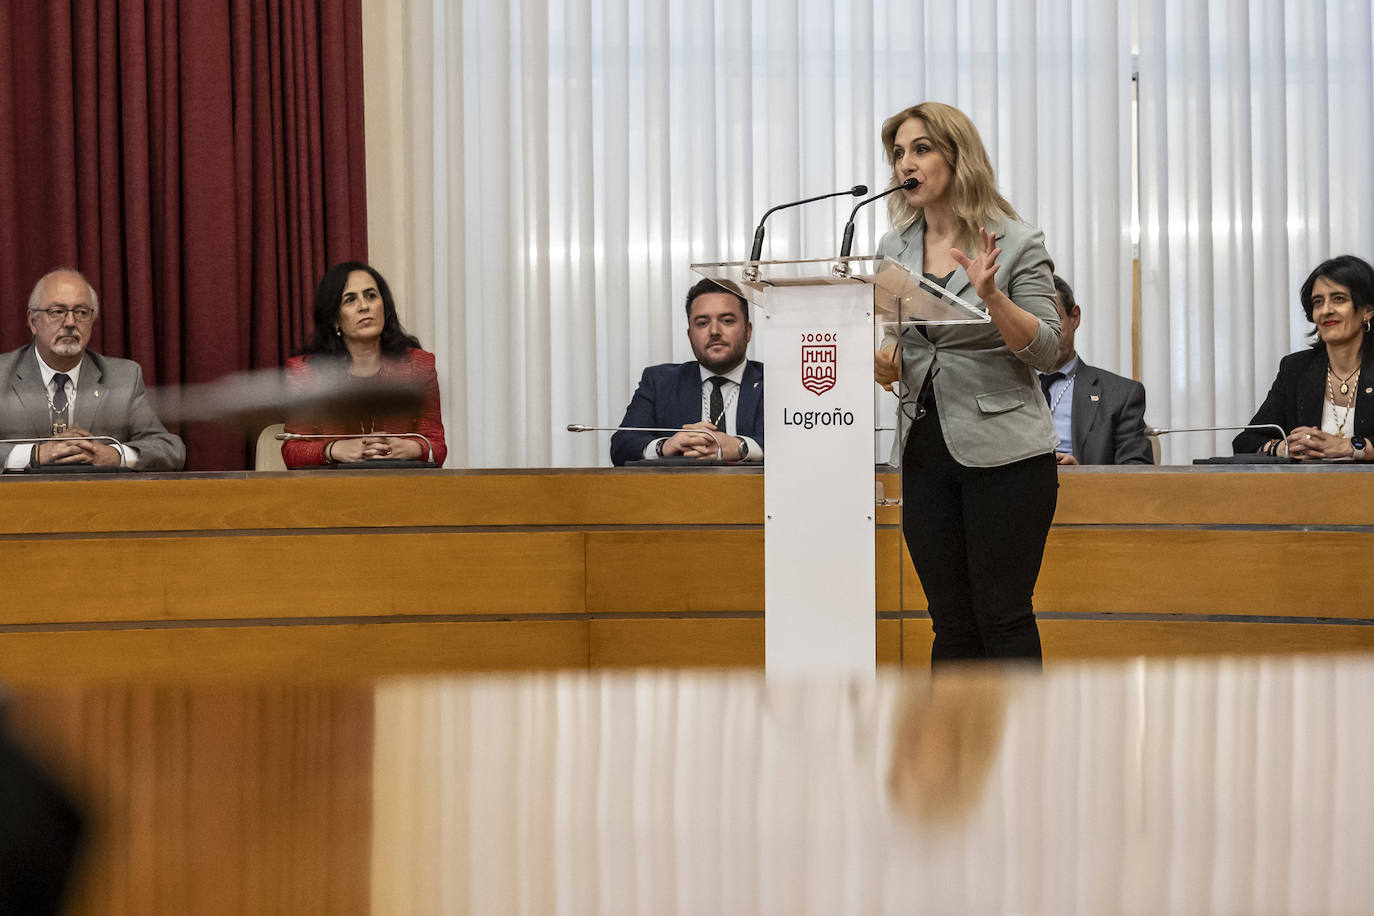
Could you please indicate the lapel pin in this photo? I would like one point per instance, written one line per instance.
(1369, 391)
(1093, 397)
(96, 393)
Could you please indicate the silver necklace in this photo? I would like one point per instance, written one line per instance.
(725, 410)
(1068, 383)
(58, 418)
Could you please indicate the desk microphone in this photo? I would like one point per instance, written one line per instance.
(428, 447)
(1155, 432)
(579, 428)
(1152, 431)
(34, 440)
(848, 240)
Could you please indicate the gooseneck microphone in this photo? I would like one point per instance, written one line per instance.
(848, 240)
(582, 428)
(859, 190)
(1156, 431)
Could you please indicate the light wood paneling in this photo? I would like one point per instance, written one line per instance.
(1073, 639)
(701, 643)
(304, 653)
(252, 577)
(1283, 573)
(383, 499)
(691, 643)
(1084, 639)
(701, 570)
(889, 642)
(1190, 571)
(917, 638)
(1215, 496)
(675, 571)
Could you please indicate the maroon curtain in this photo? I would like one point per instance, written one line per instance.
(201, 161)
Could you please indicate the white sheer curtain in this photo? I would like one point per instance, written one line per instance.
(542, 172)
(1256, 163)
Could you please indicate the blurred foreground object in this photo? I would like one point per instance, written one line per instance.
(260, 398)
(39, 836)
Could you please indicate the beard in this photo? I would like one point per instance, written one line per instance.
(721, 361)
(67, 346)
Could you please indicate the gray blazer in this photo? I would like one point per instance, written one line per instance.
(1108, 420)
(991, 409)
(110, 401)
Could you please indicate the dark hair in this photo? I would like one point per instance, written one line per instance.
(1353, 273)
(329, 296)
(708, 285)
(1065, 294)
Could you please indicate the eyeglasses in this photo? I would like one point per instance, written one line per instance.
(82, 313)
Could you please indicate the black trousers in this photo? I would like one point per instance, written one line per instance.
(976, 536)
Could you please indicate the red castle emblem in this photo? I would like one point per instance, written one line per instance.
(818, 363)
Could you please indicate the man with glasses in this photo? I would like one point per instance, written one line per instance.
(54, 388)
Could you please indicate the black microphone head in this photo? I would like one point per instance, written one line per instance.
(909, 185)
(859, 190)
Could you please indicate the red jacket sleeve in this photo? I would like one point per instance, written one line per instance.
(430, 423)
(301, 452)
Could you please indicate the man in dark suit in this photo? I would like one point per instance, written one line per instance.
(54, 386)
(1099, 415)
(719, 392)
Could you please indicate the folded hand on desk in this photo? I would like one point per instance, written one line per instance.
(1311, 443)
(698, 445)
(76, 448)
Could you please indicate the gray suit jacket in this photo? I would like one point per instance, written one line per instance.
(1108, 420)
(991, 409)
(110, 401)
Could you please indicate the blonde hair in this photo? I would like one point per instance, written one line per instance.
(977, 201)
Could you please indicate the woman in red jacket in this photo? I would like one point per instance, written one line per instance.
(359, 336)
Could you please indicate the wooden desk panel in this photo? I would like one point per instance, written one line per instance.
(327, 562)
(323, 574)
(324, 651)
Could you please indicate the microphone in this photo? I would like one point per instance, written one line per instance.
(33, 440)
(428, 447)
(859, 190)
(580, 428)
(1156, 431)
(848, 241)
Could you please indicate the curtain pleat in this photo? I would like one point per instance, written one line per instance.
(201, 162)
(1256, 133)
(607, 144)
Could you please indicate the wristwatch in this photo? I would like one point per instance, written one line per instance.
(743, 449)
(1357, 445)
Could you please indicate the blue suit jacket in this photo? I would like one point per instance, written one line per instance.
(669, 396)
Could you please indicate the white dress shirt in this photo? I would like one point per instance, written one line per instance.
(1061, 403)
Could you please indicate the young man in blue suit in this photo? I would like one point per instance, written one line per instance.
(1099, 415)
(720, 391)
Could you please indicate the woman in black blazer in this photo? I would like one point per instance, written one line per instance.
(1324, 395)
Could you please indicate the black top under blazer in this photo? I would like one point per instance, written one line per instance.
(1296, 397)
